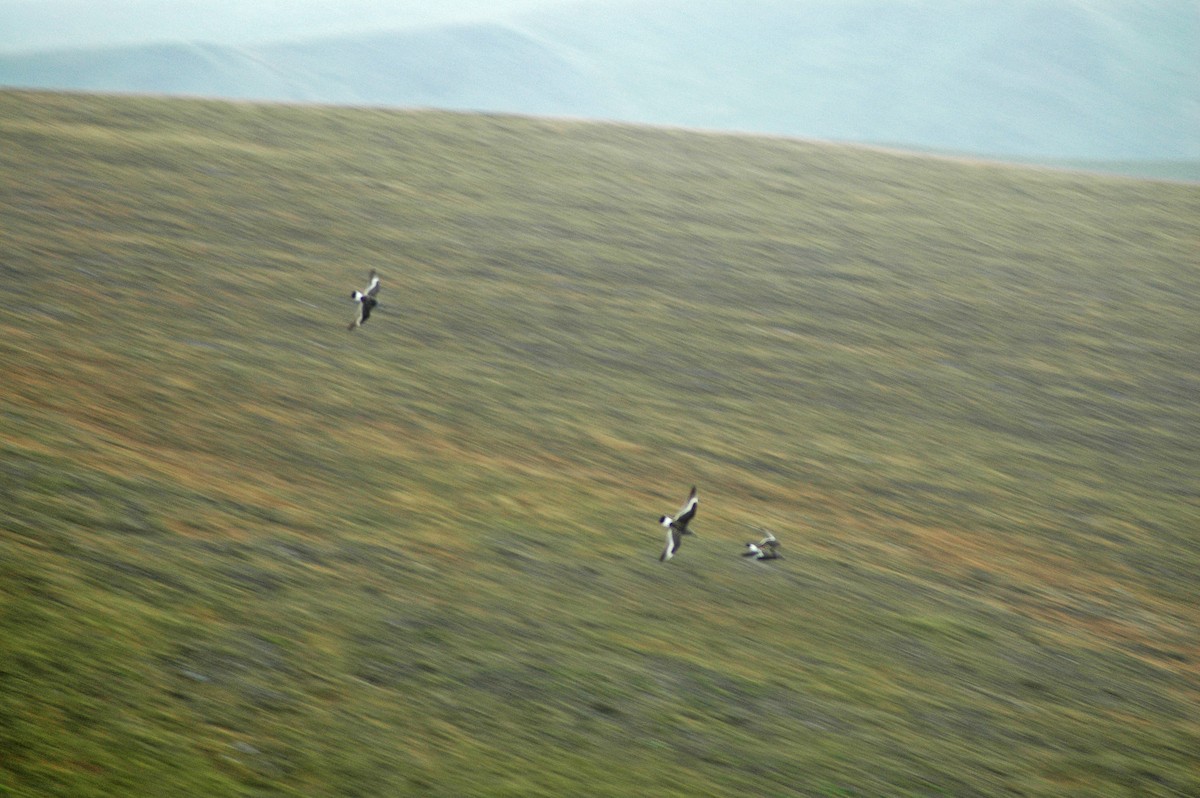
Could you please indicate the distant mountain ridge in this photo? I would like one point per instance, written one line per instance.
(1055, 79)
(485, 66)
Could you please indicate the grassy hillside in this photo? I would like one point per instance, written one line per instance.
(246, 552)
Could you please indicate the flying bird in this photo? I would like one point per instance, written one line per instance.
(765, 549)
(677, 526)
(366, 300)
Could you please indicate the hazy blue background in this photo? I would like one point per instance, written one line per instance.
(27, 25)
(1055, 80)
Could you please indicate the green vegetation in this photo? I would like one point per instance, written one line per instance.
(248, 553)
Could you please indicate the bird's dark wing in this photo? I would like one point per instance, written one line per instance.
(367, 304)
(373, 286)
(688, 511)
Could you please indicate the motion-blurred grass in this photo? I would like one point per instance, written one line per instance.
(248, 553)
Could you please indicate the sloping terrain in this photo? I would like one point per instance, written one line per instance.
(247, 552)
(1115, 81)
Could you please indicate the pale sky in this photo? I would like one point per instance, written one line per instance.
(27, 25)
